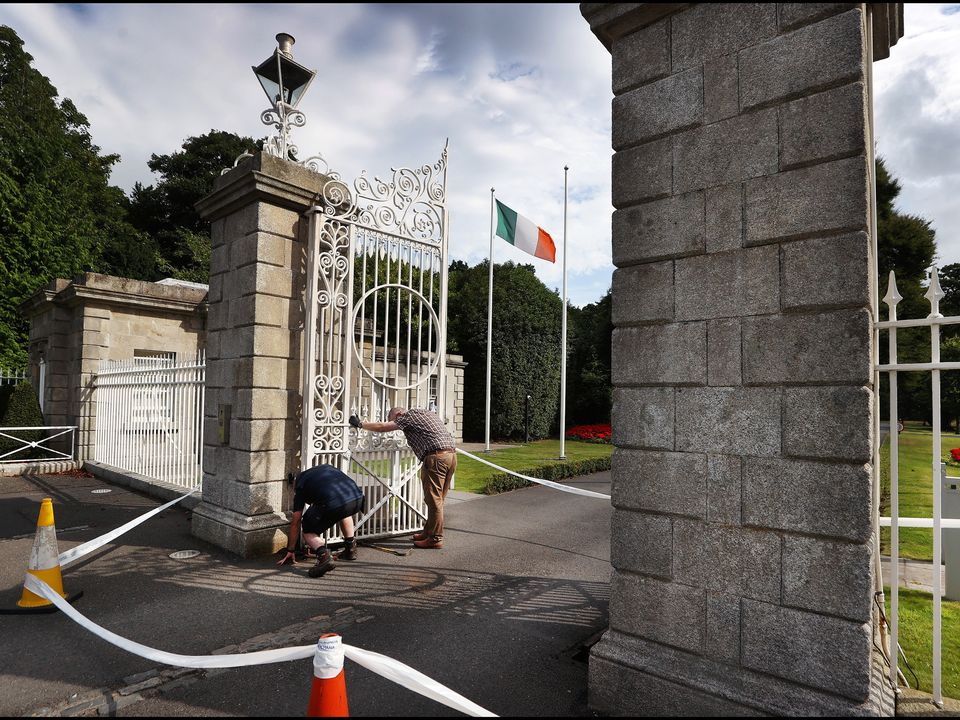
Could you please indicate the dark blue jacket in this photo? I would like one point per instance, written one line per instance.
(324, 486)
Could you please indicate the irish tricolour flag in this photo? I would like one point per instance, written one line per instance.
(522, 233)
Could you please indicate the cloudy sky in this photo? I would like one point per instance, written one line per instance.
(520, 90)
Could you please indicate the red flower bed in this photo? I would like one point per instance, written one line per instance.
(955, 454)
(591, 433)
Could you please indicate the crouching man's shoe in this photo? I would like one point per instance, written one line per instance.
(324, 564)
(429, 543)
(349, 551)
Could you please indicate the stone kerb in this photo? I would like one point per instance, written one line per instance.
(255, 325)
(741, 360)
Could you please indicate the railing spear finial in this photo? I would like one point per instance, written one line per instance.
(893, 296)
(934, 294)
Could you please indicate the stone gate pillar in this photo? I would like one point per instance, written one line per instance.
(741, 538)
(255, 321)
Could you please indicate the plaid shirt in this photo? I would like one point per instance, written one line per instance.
(425, 432)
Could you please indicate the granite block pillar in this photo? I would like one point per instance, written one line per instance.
(255, 323)
(742, 543)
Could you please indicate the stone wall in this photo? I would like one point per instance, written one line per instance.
(455, 373)
(741, 536)
(76, 324)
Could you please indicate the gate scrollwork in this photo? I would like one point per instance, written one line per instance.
(410, 204)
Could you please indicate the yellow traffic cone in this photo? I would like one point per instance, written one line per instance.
(44, 564)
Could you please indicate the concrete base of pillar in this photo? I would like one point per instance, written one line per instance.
(240, 534)
(632, 677)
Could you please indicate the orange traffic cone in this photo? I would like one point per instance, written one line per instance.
(328, 694)
(44, 564)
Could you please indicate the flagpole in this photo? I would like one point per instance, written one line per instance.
(563, 345)
(489, 324)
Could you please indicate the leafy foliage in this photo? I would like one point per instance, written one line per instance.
(906, 245)
(58, 212)
(950, 384)
(503, 482)
(23, 407)
(526, 348)
(22, 410)
(176, 237)
(526, 351)
(589, 331)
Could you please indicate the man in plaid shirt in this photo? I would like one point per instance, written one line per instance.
(434, 446)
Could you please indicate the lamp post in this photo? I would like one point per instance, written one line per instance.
(526, 419)
(285, 82)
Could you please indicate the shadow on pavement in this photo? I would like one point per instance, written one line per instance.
(505, 640)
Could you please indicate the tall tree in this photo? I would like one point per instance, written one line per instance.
(165, 213)
(57, 209)
(588, 363)
(526, 342)
(907, 245)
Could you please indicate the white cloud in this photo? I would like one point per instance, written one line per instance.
(917, 113)
(519, 90)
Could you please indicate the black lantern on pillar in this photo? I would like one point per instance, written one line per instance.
(283, 79)
(285, 82)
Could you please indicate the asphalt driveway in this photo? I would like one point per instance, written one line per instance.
(500, 614)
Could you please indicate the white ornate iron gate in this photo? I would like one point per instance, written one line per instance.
(376, 332)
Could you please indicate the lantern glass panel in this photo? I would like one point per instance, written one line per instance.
(282, 77)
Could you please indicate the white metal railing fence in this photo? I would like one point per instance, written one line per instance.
(12, 377)
(150, 418)
(938, 469)
(150, 421)
(35, 444)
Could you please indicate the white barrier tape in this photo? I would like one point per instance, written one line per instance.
(381, 664)
(74, 554)
(411, 679)
(263, 657)
(539, 481)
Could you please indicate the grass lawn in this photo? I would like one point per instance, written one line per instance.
(916, 490)
(471, 475)
(916, 639)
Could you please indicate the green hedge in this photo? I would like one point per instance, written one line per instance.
(23, 410)
(6, 391)
(502, 482)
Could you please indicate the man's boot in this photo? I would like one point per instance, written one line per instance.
(324, 564)
(349, 551)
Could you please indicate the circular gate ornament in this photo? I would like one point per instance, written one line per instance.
(434, 327)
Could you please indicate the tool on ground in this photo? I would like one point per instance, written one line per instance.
(381, 548)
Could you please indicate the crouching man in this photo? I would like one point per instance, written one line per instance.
(333, 497)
